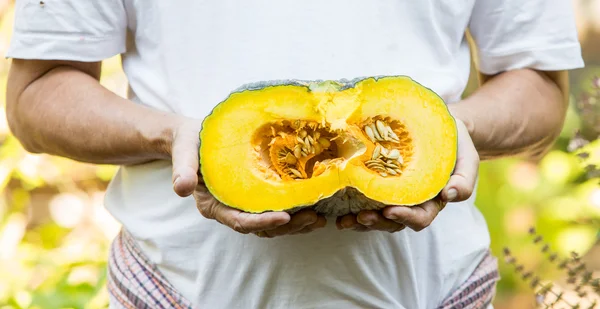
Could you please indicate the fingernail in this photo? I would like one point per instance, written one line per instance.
(365, 222)
(392, 217)
(176, 181)
(452, 194)
(309, 222)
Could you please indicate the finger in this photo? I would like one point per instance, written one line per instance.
(321, 222)
(415, 217)
(347, 222)
(462, 182)
(245, 223)
(239, 221)
(299, 220)
(184, 153)
(376, 221)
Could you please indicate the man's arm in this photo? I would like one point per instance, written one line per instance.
(515, 113)
(60, 108)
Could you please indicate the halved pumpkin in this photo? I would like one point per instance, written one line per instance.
(338, 147)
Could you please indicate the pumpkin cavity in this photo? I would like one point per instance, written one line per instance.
(291, 150)
(390, 146)
(299, 149)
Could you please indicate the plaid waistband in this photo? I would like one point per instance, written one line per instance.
(135, 283)
(480, 288)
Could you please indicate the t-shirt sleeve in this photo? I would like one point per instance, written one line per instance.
(78, 30)
(516, 34)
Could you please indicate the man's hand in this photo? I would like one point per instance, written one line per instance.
(396, 218)
(187, 181)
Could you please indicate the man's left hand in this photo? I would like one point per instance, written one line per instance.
(396, 218)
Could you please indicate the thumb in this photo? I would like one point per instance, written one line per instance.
(185, 162)
(462, 182)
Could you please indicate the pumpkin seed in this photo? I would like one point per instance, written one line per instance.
(390, 134)
(302, 133)
(290, 159)
(400, 160)
(391, 138)
(306, 141)
(394, 154)
(384, 151)
(383, 174)
(316, 136)
(387, 129)
(375, 133)
(311, 140)
(376, 152)
(296, 172)
(391, 171)
(372, 163)
(382, 130)
(394, 136)
(300, 140)
(390, 165)
(370, 134)
(378, 168)
(297, 151)
(324, 142)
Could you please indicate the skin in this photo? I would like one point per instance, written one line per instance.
(529, 109)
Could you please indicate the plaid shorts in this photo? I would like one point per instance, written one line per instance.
(135, 283)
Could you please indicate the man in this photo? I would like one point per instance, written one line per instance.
(184, 57)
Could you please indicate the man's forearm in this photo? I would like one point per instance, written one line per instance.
(66, 112)
(515, 113)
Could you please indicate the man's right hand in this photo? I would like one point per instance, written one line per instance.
(187, 181)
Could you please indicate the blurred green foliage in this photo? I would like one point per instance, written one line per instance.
(55, 233)
(553, 195)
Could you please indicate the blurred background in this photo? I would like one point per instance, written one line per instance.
(55, 233)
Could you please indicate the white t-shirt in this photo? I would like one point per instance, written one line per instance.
(186, 56)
